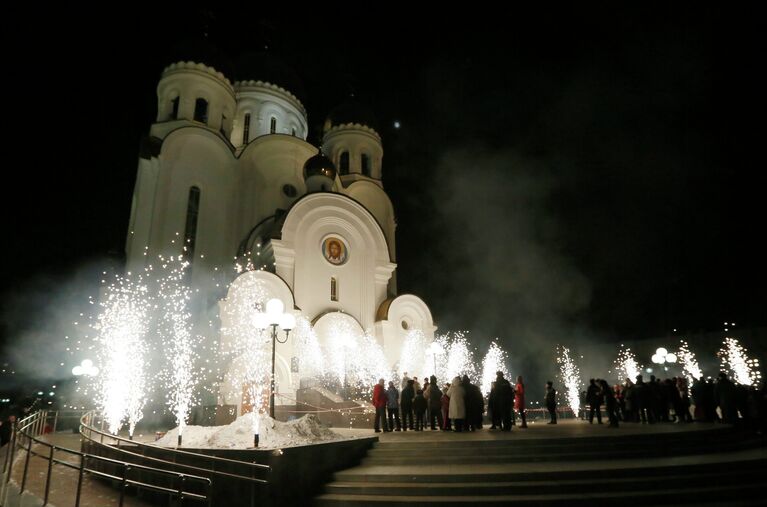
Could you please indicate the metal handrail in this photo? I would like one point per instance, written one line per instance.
(140, 445)
(36, 424)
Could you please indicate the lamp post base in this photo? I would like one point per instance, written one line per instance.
(179, 441)
(255, 440)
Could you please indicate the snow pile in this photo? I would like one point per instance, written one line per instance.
(239, 434)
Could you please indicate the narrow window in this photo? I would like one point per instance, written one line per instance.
(174, 109)
(190, 231)
(365, 165)
(344, 165)
(201, 110)
(333, 289)
(273, 125)
(223, 122)
(293, 131)
(246, 129)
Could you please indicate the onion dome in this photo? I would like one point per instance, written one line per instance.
(319, 165)
(265, 66)
(200, 50)
(351, 111)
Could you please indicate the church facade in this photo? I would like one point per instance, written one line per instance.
(226, 176)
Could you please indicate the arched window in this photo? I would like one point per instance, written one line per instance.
(293, 131)
(273, 125)
(174, 108)
(344, 163)
(190, 230)
(333, 289)
(201, 110)
(246, 129)
(365, 163)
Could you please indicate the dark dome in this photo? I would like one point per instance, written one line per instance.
(319, 165)
(199, 50)
(264, 66)
(351, 111)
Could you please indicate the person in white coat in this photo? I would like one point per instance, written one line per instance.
(457, 411)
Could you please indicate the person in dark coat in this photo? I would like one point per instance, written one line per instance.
(492, 407)
(504, 400)
(419, 408)
(406, 405)
(392, 407)
(610, 403)
(595, 400)
(475, 404)
(435, 404)
(551, 402)
(725, 394)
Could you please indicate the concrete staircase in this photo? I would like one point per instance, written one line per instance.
(704, 466)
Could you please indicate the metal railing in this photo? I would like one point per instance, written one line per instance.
(92, 431)
(25, 438)
(138, 449)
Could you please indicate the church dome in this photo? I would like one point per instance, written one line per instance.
(202, 51)
(351, 111)
(264, 66)
(319, 165)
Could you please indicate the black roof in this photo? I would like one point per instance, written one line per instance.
(352, 111)
(265, 66)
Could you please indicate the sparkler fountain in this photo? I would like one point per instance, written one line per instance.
(735, 362)
(495, 360)
(570, 377)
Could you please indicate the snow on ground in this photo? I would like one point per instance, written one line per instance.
(239, 434)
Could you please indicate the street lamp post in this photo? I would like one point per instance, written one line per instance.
(435, 348)
(273, 317)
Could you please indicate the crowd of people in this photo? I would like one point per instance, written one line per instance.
(461, 406)
(455, 406)
(672, 400)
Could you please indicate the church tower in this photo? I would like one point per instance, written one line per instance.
(351, 140)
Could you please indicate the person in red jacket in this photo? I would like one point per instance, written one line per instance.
(519, 401)
(379, 402)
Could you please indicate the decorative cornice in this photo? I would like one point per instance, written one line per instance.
(199, 67)
(241, 85)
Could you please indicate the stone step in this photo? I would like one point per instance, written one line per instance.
(488, 438)
(445, 456)
(544, 485)
(755, 459)
(415, 448)
(679, 494)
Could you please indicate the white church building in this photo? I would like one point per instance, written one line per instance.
(227, 173)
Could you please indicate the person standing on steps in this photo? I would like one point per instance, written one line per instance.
(392, 407)
(519, 401)
(379, 402)
(504, 401)
(435, 404)
(406, 405)
(551, 402)
(595, 400)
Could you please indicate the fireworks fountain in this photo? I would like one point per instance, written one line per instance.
(414, 352)
(176, 330)
(459, 360)
(121, 328)
(736, 363)
(495, 360)
(626, 363)
(570, 377)
(688, 362)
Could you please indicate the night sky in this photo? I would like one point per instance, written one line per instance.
(589, 172)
